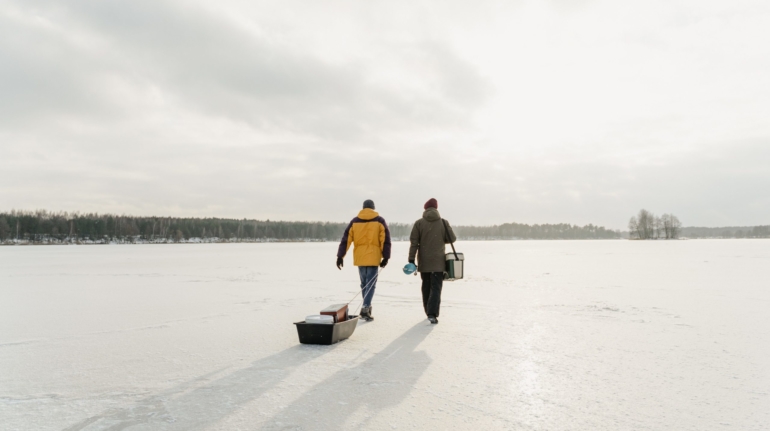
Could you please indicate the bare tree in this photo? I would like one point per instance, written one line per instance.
(633, 228)
(676, 227)
(646, 224)
(5, 230)
(671, 226)
(657, 225)
(666, 220)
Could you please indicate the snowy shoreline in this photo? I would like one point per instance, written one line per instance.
(158, 241)
(259, 241)
(309, 240)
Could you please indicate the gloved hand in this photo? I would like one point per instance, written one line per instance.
(411, 261)
(383, 263)
(339, 263)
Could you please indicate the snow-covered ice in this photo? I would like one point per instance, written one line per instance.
(551, 335)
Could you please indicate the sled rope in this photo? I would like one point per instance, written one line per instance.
(365, 291)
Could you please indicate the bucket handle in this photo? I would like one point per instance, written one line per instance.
(446, 238)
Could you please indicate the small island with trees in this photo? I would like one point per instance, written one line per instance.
(647, 225)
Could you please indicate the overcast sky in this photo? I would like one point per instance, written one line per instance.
(526, 111)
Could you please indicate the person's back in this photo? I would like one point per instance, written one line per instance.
(429, 237)
(370, 237)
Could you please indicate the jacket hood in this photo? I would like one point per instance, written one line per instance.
(367, 214)
(431, 214)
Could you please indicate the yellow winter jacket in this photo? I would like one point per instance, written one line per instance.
(371, 237)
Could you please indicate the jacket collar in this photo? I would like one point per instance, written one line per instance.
(367, 214)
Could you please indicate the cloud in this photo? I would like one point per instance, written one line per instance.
(94, 58)
(510, 111)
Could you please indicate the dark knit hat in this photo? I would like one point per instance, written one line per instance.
(369, 204)
(432, 203)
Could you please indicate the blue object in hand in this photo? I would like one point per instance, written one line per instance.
(410, 268)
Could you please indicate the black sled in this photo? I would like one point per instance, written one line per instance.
(314, 333)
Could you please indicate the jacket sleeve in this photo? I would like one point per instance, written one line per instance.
(450, 233)
(347, 238)
(414, 239)
(384, 239)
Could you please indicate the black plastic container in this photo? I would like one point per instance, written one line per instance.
(314, 333)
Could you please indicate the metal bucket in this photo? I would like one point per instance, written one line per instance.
(454, 267)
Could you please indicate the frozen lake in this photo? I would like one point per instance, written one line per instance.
(551, 335)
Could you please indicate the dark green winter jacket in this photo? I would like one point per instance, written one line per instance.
(428, 241)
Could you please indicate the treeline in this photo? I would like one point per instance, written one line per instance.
(61, 227)
(44, 226)
(647, 225)
(536, 231)
(727, 232)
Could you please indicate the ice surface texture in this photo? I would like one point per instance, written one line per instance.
(567, 335)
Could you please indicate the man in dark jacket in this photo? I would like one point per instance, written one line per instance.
(428, 238)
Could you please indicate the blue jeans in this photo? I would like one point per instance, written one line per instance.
(368, 274)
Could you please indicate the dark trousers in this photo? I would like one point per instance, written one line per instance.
(431, 292)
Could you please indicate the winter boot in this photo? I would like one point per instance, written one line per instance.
(366, 314)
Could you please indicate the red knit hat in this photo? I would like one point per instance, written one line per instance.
(432, 203)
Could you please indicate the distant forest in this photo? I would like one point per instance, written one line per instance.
(43, 227)
(536, 231)
(727, 232)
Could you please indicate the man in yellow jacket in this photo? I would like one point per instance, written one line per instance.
(371, 237)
